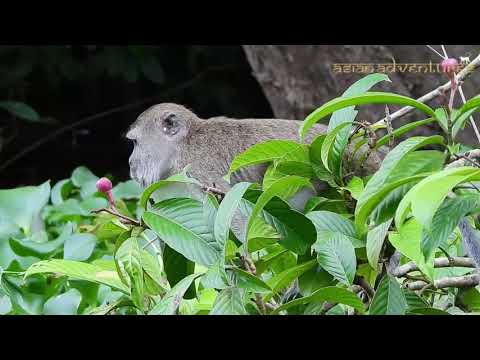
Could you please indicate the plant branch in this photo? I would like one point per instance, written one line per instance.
(250, 267)
(462, 75)
(466, 281)
(126, 218)
(437, 263)
(464, 158)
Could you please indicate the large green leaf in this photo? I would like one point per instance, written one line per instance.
(407, 241)
(79, 247)
(284, 188)
(337, 257)
(385, 202)
(171, 301)
(247, 281)
(63, 304)
(385, 176)
(226, 211)
(78, 270)
(347, 115)
(263, 152)
(27, 247)
(127, 190)
(331, 162)
(20, 110)
(182, 178)
(375, 240)
(366, 98)
(286, 277)
(389, 298)
(129, 260)
(425, 197)
(22, 205)
(332, 294)
(316, 161)
(229, 302)
(329, 225)
(178, 267)
(473, 103)
(180, 224)
(446, 220)
(296, 231)
(60, 191)
(459, 123)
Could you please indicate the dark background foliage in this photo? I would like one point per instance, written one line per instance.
(66, 84)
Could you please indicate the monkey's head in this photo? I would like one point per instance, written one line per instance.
(157, 135)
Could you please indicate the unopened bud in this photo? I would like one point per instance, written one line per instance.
(449, 65)
(104, 185)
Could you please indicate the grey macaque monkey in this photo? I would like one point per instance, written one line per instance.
(167, 137)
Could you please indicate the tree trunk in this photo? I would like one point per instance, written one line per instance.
(297, 79)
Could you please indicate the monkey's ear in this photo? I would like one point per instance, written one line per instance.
(172, 125)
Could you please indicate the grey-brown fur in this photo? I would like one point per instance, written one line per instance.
(208, 145)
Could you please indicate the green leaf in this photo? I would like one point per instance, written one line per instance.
(402, 130)
(229, 302)
(337, 257)
(389, 298)
(26, 247)
(180, 224)
(78, 270)
(81, 176)
(60, 191)
(407, 241)
(425, 197)
(329, 225)
(446, 220)
(284, 188)
(171, 301)
(22, 205)
(177, 268)
(366, 98)
(331, 294)
(79, 247)
(20, 110)
(316, 161)
(296, 231)
(382, 180)
(375, 240)
(472, 104)
(417, 162)
(327, 146)
(128, 258)
(459, 123)
(245, 280)
(286, 277)
(355, 187)
(263, 152)
(182, 178)
(63, 304)
(226, 211)
(127, 190)
(216, 277)
(348, 115)
(427, 311)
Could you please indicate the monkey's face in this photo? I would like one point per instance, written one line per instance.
(156, 136)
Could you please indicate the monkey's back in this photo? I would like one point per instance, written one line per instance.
(225, 138)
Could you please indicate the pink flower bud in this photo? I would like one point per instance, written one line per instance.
(104, 185)
(449, 65)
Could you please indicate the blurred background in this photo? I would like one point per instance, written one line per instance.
(70, 105)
